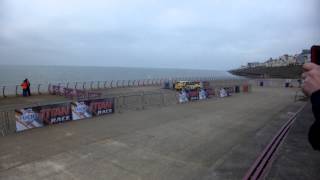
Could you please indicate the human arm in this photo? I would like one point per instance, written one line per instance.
(311, 87)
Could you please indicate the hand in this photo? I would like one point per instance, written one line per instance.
(311, 78)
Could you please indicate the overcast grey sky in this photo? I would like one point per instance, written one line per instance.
(205, 34)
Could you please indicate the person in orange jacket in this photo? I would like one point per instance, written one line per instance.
(24, 86)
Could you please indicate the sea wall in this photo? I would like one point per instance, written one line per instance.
(274, 82)
(292, 72)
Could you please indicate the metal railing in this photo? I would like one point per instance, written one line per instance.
(43, 88)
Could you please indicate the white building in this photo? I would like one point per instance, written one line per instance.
(288, 60)
(269, 63)
(284, 60)
(303, 57)
(253, 64)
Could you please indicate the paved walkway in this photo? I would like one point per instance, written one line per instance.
(214, 139)
(296, 159)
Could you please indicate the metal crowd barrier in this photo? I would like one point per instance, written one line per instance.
(138, 101)
(132, 101)
(7, 125)
(142, 101)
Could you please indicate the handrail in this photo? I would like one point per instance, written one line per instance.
(91, 85)
(117, 83)
(111, 84)
(122, 85)
(39, 85)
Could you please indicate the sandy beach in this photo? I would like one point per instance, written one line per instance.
(214, 139)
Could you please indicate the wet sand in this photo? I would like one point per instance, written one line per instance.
(214, 139)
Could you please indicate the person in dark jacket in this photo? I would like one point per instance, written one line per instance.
(311, 87)
(28, 87)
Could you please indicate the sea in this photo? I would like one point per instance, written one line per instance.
(13, 75)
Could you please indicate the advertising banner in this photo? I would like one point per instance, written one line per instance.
(210, 92)
(229, 90)
(193, 95)
(80, 110)
(39, 116)
(203, 94)
(101, 106)
(53, 114)
(89, 108)
(27, 119)
(223, 93)
(183, 97)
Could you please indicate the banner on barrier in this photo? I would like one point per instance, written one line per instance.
(229, 89)
(210, 92)
(27, 119)
(183, 97)
(193, 95)
(80, 110)
(102, 106)
(89, 108)
(202, 94)
(40, 116)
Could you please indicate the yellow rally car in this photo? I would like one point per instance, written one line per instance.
(187, 85)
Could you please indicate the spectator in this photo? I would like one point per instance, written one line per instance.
(311, 87)
(24, 87)
(28, 87)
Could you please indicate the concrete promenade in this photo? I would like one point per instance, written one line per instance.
(296, 159)
(213, 139)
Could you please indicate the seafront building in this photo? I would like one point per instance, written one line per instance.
(284, 60)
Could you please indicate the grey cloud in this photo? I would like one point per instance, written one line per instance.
(210, 34)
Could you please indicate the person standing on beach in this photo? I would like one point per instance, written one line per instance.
(311, 87)
(28, 87)
(24, 87)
